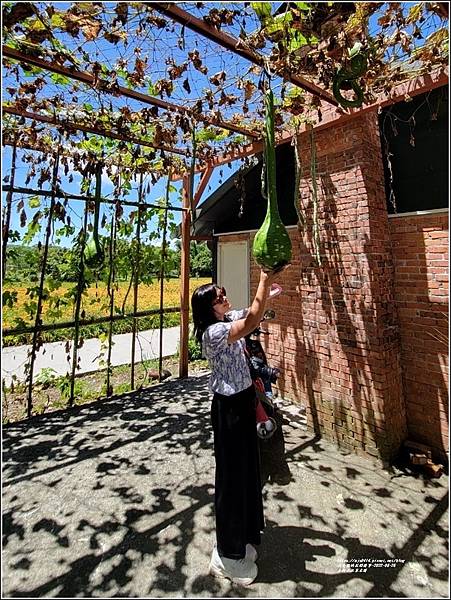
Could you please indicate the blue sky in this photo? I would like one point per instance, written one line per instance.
(107, 54)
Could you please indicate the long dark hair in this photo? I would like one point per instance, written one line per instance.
(202, 308)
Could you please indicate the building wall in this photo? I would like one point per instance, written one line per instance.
(337, 335)
(420, 250)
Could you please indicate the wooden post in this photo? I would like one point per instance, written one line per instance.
(184, 280)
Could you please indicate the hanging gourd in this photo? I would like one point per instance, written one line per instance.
(94, 254)
(358, 66)
(272, 245)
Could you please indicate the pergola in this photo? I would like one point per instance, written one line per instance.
(164, 55)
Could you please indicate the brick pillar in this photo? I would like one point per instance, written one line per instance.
(336, 336)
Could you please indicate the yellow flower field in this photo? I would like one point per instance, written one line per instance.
(96, 300)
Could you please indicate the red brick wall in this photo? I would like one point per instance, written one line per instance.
(356, 337)
(335, 336)
(420, 250)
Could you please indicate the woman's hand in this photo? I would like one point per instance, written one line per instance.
(269, 276)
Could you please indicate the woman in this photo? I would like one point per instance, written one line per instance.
(238, 499)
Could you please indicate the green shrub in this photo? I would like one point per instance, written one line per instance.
(122, 388)
(194, 349)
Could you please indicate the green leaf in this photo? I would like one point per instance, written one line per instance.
(53, 284)
(32, 230)
(296, 41)
(355, 49)
(9, 298)
(151, 90)
(88, 107)
(34, 202)
(305, 6)
(60, 79)
(29, 70)
(284, 18)
(35, 25)
(57, 21)
(31, 308)
(262, 10)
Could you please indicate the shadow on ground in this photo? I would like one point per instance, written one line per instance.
(115, 500)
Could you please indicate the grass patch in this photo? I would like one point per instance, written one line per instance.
(51, 393)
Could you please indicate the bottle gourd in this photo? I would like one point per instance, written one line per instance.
(94, 254)
(272, 245)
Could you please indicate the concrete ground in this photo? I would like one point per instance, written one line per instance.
(115, 500)
(54, 354)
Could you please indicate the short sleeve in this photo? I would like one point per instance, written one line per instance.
(235, 315)
(215, 338)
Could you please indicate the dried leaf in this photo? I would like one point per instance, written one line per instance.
(164, 85)
(176, 71)
(122, 12)
(115, 36)
(197, 62)
(227, 99)
(216, 18)
(218, 78)
(209, 97)
(249, 88)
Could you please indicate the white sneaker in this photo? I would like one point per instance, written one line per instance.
(251, 552)
(242, 571)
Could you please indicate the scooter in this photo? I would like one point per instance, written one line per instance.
(273, 464)
(263, 375)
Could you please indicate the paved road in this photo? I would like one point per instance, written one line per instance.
(54, 355)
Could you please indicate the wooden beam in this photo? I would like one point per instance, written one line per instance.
(109, 134)
(106, 86)
(170, 9)
(202, 185)
(184, 279)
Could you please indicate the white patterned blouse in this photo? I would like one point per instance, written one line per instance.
(229, 367)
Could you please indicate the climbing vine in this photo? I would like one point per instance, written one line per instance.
(122, 91)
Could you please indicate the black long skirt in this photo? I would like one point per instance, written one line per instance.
(238, 496)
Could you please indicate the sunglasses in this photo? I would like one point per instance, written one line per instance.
(221, 297)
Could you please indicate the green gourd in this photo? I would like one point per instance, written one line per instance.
(272, 245)
(358, 67)
(94, 254)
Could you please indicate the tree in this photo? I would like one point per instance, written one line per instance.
(201, 263)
